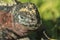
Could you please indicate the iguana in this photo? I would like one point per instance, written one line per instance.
(22, 20)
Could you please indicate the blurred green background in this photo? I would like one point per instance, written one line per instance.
(50, 14)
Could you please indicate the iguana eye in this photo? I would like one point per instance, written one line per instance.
(22, 17)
